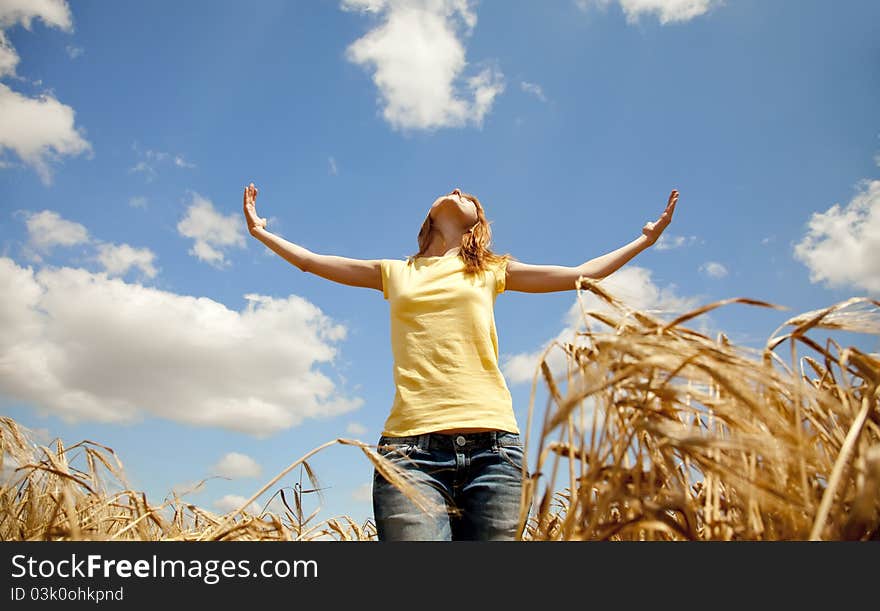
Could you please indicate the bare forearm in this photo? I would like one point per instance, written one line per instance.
(610, 262)
(292, 253)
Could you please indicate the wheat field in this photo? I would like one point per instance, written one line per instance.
(655, 432)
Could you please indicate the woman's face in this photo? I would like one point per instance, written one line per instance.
(456, 207)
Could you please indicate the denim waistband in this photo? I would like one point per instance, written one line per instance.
(448, 441)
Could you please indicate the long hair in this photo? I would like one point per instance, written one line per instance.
(475, 251)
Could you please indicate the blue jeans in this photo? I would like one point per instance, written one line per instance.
(480, 474)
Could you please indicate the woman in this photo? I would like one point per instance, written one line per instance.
(452, 422)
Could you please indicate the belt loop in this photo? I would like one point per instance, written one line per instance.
(424, 441)
(495, 440)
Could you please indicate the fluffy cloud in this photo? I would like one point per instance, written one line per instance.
(667, 11)
(842, 244)
(633, 285)
(46, 229)
(417, 59)
(39, 130)
(713, 269)
(86, 346)
(117, 259)
(211, 230)
(236, 466)
(54, 13)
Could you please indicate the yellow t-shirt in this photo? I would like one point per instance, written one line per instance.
(445, 347)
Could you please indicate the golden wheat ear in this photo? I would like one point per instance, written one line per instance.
(656, 431)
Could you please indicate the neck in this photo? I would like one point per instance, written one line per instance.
(444, 242)
(441, 252)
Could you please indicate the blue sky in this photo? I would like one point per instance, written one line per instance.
(139, 313)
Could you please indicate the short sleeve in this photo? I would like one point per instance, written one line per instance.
(501, 276)
(385, 266)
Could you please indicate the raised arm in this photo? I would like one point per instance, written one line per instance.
(365, 273)
(548, 278)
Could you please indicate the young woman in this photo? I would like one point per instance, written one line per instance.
(452, 422)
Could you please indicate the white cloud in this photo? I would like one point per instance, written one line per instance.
(334, 170)
(211, 230)
(74, 51)
(47, 229)
(768, 240)
(670, 242)
(633, 285)
(534, 89)
(417, 59)
(180, 162)
(713, 269)
(842, 244)
(363, 493)
(150, 160)
(117, 259)
(8, 56)
(231, 502)
(356, 428)
(39, 130)
(54, 13)
(236, 466)
(485, 86)
(667, 11)
(87, 347)
(138, 201)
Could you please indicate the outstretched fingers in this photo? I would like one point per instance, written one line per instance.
(250, 209)
(250, 195)
(673, 198)
(670, 207)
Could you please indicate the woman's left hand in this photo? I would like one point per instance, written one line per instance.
(653, 230)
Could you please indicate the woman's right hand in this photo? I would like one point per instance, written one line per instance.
(250, 210)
